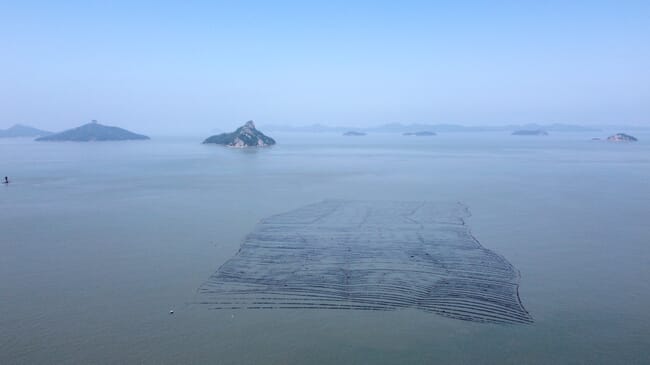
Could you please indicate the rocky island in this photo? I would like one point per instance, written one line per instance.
(20, 130)
(244, 136)
(419, 134)
(621, 137)
(93, 131)
(528, 132)
(354, 134)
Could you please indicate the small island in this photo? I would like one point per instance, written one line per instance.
(419, 134)
(621, 137)
(19, 130)
(354, 134)
(244, 136)
(93, 131)
(530, 132)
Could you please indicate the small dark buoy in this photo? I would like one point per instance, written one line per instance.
(171, 311)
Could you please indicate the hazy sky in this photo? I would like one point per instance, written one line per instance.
(164, 66)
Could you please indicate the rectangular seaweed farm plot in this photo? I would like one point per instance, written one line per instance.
(369, 255)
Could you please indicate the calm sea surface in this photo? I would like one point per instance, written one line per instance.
(99, 241)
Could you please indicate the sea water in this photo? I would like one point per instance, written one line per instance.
(99, 241)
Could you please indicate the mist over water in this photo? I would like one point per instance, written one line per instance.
(100, 241)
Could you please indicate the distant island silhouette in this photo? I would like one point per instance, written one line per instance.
(20, 130)
(529, 132)
(439, 128)
(420, 134)
(94, 131)
(621, 137)
(245, 136)
(354, 134)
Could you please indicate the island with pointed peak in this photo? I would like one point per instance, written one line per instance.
(245, 136)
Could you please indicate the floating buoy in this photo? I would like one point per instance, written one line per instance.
(171, 311)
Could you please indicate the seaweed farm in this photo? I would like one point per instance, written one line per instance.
(369, 255)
